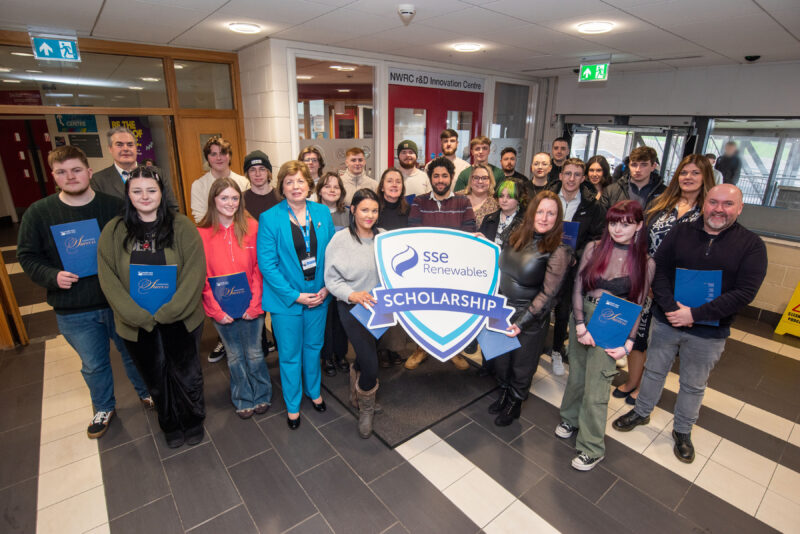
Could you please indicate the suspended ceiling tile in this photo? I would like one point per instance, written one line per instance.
(214, 34)
(473, 23)
(545, 10)
(135, 20)
(678, 12)
(51, 14)
(739, 36)
(424, 10)
(275, 11)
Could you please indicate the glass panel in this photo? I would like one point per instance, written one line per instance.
(582, 144)
(98, 80)
(787, 177)
(611, 145)
(410, 124)
(655, 141)
(674, 157)
(509, 123)
(757, 155)
(203, 85)
(461, 122)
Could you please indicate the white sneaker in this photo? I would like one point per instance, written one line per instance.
(582, 462)
(558, 363)
(565, 430)
(622, 362)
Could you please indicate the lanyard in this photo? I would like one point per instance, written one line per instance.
(306, 231)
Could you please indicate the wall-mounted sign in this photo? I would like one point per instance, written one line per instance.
(59, 49)
(141, 131)
(593, 73)
(90, 144)
(76, 123)
(418, 78)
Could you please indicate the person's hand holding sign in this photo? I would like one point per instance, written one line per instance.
(362, 297)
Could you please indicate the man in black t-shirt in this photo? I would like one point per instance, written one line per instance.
(261, 196)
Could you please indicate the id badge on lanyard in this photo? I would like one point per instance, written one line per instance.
(309, 262)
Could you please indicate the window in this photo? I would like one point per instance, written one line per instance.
(510, 122)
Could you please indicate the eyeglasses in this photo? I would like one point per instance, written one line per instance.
(310, 160)
(480, 178)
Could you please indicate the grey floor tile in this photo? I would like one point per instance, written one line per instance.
(313, 525)
(450, 424)
(501, 462)
(278, 406)
(541, 413)
(234, 438)
(158, 516)
(370, 458)
(625, 501)
(21, 405)
(644, 474)
(569, 512)
(273, 497)
(419, 506)
(133, 476)
(477, 411)
(546, 451)
(200, 484)
(301, 449)
(344, 500)
(18, 507)
(41, 324)
(791, 457)
(397, 528)
(715, 515)
(129, 423)
(165, 452)
(22, 369)
(236, 520)
(334, 410)
(20, 457)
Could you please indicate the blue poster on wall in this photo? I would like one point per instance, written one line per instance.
(76, 123)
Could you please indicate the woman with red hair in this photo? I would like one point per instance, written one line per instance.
(617, 264)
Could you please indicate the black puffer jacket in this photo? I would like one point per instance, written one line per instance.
(619, 191)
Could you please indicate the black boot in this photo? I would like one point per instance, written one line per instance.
(328, 368)
(343, 364)
(510, 412)
(501, 402)
(383, 359)
(395, 359)
(684, 450)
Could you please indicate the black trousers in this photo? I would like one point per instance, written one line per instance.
(167, 359)
(335, 344)
(364, 344)
(515, 369)
(562, 310)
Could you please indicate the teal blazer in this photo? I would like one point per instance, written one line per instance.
(277, 258)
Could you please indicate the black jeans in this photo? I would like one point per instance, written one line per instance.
(335, 343)
(515, 369)
(167, 359)
(562, 309)
(364, 344)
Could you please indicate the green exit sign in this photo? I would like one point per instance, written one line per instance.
(593, 73)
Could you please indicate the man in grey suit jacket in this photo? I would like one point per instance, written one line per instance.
(111, 180)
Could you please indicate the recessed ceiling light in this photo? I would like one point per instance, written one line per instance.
(178, 66)
(149, 79)
(135, 88)
(467, 47)
(304, 76)
(5, 69)
(342, 68)
(23, 54)
(33, 71)
(11, 81)
(244, 27)
(343, 90)
(595, 26)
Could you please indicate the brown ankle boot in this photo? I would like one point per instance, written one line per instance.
(366, 410)
(415, 359)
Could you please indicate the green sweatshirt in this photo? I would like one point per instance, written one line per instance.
(38, 255)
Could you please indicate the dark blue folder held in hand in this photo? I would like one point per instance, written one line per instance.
(612, 321)
(570, 235)
(695, 288)
(232, 293)
(77, 246)
(152, 286)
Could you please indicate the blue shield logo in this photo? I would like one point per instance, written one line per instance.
(441, 285)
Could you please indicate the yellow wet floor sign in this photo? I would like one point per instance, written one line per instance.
(790, 321)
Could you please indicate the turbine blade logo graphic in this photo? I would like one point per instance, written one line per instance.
(404, 260)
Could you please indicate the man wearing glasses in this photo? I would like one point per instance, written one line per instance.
(312, 157)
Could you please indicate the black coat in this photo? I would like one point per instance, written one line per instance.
(590, 214)
(492, 221)
(619, 191)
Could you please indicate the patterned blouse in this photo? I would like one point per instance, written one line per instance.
(664, 222)
(489, 205)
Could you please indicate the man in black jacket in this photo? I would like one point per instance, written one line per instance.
(559, 154)
(729, 164)
(714, 242)
(578, 200)
(641, 183)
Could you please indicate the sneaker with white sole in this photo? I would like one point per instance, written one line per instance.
(583, 462)
(218, 353)
(99, 424)
(558, 363)
(565, 430)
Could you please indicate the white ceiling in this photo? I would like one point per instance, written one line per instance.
(529, 37)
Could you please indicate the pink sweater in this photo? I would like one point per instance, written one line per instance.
(225, 256)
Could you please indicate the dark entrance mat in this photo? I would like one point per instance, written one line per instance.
(413, 401)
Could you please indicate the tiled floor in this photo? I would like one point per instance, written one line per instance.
(462, 475)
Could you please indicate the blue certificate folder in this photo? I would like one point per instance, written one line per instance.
(612, 321)
(494, 344)
(152, 286)
(570, 236)
(232, 293)
(77, 246)
(363, 315)
(695, 288)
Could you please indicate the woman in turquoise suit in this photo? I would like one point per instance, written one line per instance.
(292, 238)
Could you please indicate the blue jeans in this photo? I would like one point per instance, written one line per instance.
(250, 384)
(698, 357)
(89, 333)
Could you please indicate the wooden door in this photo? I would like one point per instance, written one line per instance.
(192, 134)
(18, 159)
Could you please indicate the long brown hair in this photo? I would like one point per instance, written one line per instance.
(211, 218)
(667, 200)
(322, 182)
(525, 231)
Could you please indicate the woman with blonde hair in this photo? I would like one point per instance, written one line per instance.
(480, 192)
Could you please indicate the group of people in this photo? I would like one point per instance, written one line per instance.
(304, 242)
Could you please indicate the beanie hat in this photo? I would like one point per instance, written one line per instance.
(407, 144)
(257, 157)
